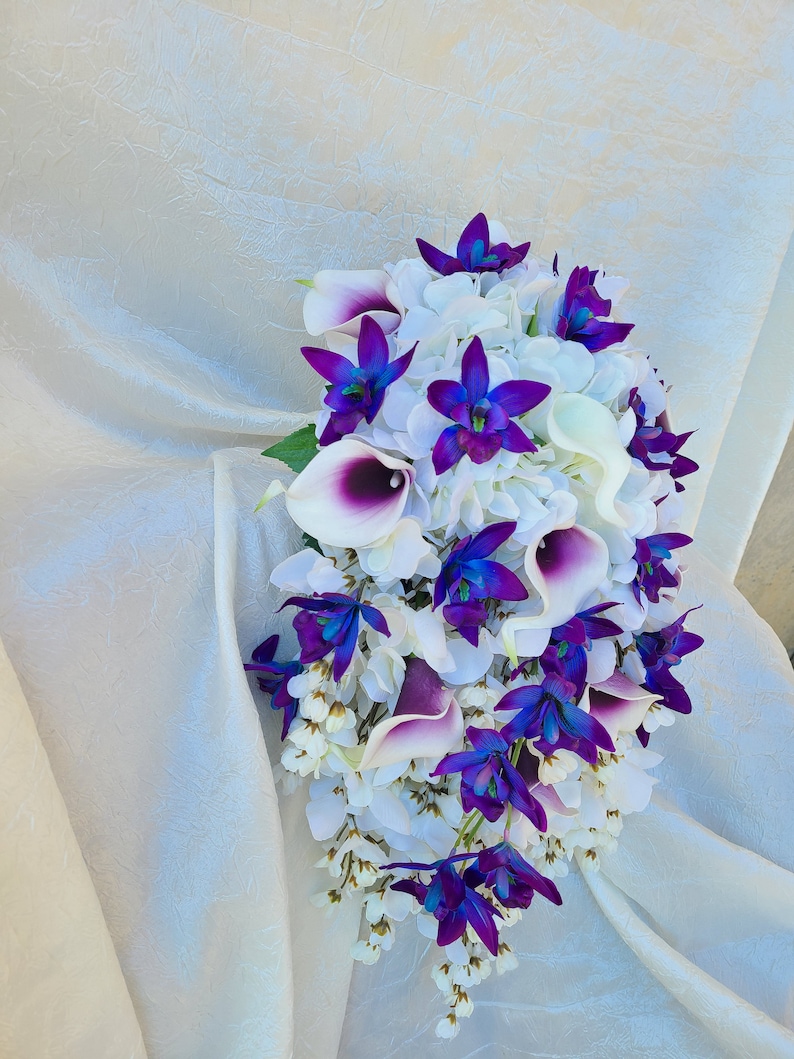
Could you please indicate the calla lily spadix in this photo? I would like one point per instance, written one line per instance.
(566, 566)
(350, 494)
(617, 703)
(427, 721)
(338, 299)
(581, 425)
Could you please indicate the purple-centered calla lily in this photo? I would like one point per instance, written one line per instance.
(338, 299)
(330, 622)
(481, 416)
(454, 903)
(468, 577)
(511, 878)
(357, 390)
(618, 704)
(350, 494)
(427, 721)
(581, 308)
(547, 711)
(489, 780)
(650, 555)
(474, 251)
(273, 678)
(566, 654)
(652, 441)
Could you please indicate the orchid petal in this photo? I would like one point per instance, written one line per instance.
(474, 370)
(350, 494)
(582, 425)
(339, 298)
(518, 397)
(427, 721)
(618, 704)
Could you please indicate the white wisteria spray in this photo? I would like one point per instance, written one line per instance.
(485, 606)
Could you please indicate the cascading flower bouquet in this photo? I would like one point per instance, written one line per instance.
(485, 606)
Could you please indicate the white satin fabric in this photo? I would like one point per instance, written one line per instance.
(173, 167)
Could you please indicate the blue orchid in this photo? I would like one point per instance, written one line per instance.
(357, 390)
(548, 713)
(273, 678)
(650, 555)
(474, 251)
(511, 878)
(489, 780)
(481, 416)
(468, 577)
(455, 904)
(581, 308)
(331, 621)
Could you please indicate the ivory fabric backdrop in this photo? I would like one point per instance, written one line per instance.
(172, 168)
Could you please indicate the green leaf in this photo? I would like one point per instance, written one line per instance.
(298, 450)
(311, 542)
(305, 282)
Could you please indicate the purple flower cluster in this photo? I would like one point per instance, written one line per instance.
(581, 311)
(273, 678)
(653, 441)
(660, 651)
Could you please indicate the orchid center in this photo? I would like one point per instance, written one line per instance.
(479, 416)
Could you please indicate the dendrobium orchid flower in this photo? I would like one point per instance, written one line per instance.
(547, 711)
(356, 391)
(468, 577)
(427, 721)
(566, 654)
(652, 573)
(350, 494)
(330, 622)
(652, 442)
(489, 780)
(660, 651)
(454, 903)
(481, 416)
(512, 879)
(273, 678)
(474, 251)
(581, 308)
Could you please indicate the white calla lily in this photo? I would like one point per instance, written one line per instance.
(350, 494)
(580, 425)
(338, 299)
(617, 703)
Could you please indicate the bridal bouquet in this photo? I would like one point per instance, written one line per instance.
(485, 605)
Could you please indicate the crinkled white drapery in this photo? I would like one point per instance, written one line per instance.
(172, 168)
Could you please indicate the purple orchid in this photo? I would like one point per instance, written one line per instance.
(511, 878)
(582, 307)
(331, 621)
(454, 903)
(547, 711)
(468, 577)
(660, 651)
(566, 654)
(653, 440)
(481, 416)
(357, 390)
(489, 780)
(474, 251)
(650, 555)
(273, 678)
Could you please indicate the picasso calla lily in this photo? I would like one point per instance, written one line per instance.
(350, 494)
(427, 721)
(481, 415)
(357, 390)
(337, 301)
(618, 704)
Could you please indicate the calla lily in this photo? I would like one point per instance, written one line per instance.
(583, 426)
(427, 721)
(618, 704)
(565, 568)
(350, 494)
(337, 301)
